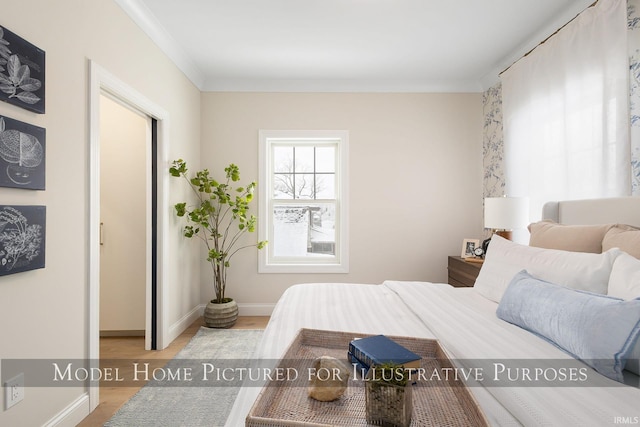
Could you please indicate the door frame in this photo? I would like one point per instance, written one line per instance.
(101, 81)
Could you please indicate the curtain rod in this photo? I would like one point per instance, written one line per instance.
(545, 40)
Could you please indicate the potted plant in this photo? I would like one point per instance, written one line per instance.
(388, 396)
(219, 218)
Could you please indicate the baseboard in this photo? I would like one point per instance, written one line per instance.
(125, 333)
(246, 309)
(181, 325)
(253, 309)
(72, 414)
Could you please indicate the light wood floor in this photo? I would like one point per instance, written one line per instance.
(128, 348)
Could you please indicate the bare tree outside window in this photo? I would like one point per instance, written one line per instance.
(302, 184)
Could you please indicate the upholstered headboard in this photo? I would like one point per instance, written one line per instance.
(617, 210)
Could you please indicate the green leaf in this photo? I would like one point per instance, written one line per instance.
(233, 172)
(181, 209)
(179, 167)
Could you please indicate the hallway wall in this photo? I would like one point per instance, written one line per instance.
(124, 153)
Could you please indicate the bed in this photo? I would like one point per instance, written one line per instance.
(466, 323)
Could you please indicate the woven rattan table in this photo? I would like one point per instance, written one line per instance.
(441, 403)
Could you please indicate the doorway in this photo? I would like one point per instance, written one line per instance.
(124, 274)
(156, 204)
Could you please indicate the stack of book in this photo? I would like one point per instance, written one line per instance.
(378, 350)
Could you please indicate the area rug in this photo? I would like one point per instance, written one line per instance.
(167, 403)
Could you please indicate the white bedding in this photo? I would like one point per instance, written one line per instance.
(406, 308)
(450, 311)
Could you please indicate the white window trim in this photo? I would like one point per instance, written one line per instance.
(342, 230)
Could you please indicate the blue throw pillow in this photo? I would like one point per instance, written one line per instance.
(595, 328)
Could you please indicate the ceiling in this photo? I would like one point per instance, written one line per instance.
(348, 45)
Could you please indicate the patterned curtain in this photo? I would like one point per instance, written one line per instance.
(493, 143)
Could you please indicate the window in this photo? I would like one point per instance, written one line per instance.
(303, 203)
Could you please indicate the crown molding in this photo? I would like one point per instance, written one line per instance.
(144, 18)
(344, 86)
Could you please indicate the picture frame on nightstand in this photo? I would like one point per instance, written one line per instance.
(468, 246)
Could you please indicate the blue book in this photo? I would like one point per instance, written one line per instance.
(360, 367)
(378, 350)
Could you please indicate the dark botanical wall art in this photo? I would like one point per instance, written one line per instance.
(22, 155)
(21, 72)
(22, 238)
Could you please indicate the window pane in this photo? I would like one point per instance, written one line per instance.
(325, 186)
(304, 159)
(283, 186)
(305, 186)
(323, 230)
(283, 159)
(303, 231)
(325, 159)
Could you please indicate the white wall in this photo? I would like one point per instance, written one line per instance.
(415, 166)
(124, 146)
(43, 313)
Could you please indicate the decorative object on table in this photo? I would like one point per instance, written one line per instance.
(468, 246)
(22, 238)
(388, 396)
(477, 257)
(219, 218)
(22, 155)
(328, 379)
(22, 72)
(376, 350)
(485, 245)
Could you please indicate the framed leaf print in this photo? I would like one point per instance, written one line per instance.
(22, 155)
(22, 67)
(22, 238)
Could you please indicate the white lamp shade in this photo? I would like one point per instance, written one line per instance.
(506, 213)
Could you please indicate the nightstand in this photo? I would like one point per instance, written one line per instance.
(462, 273)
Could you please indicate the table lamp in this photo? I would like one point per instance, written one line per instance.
(504, 214)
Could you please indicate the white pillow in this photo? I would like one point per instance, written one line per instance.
(577, 270)
(624, 281)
